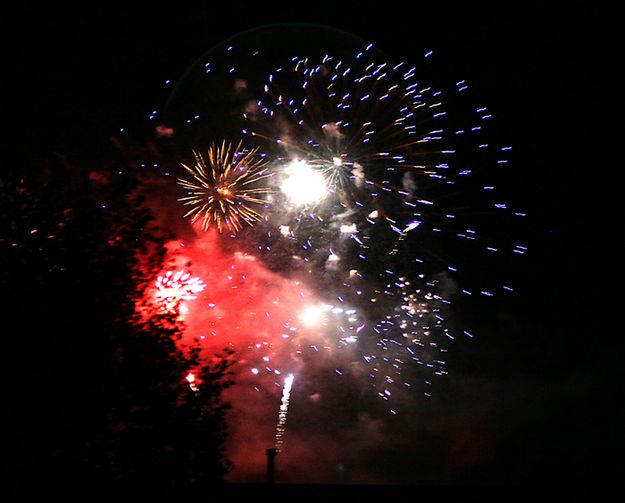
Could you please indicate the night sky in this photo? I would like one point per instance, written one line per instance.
(537, 396)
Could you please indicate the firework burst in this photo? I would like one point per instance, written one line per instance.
(224, 186)
(358, 122)
(174, 287)
(389, 204)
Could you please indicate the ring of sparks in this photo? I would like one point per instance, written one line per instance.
(223, 187)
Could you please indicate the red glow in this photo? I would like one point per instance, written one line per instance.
(255, 312)
(245, 306)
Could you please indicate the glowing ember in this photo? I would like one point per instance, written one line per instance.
(192, 380)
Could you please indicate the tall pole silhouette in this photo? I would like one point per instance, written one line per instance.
(271, 465)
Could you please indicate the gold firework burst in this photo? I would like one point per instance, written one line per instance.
(224, 186)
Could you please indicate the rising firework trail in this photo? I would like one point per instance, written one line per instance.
(284, 409)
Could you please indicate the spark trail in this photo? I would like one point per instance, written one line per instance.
(284, 409)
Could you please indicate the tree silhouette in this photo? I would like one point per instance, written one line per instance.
(100, 377)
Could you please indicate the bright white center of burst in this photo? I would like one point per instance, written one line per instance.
(311, 316)
(303, 185)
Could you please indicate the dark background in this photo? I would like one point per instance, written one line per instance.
(74, 76)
